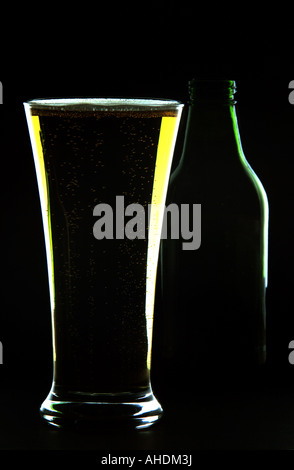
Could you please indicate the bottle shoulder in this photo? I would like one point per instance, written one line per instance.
(218, 172)
(233, 185)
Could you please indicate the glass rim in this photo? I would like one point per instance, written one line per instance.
(103, 104)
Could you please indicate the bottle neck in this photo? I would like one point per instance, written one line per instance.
(212, 127)
(212, 91)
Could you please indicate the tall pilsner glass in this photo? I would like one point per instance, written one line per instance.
(100, 165)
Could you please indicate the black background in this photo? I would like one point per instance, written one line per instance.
(153, 52)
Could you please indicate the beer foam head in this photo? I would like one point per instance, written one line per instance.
(103, 104)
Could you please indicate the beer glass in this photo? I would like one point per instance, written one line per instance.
(102, 168)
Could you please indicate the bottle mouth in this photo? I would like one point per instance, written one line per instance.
(212, 91)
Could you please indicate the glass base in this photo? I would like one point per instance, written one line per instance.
(93, 411)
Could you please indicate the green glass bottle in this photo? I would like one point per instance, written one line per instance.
(214, 312)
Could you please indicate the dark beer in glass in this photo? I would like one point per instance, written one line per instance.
(87, 152)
